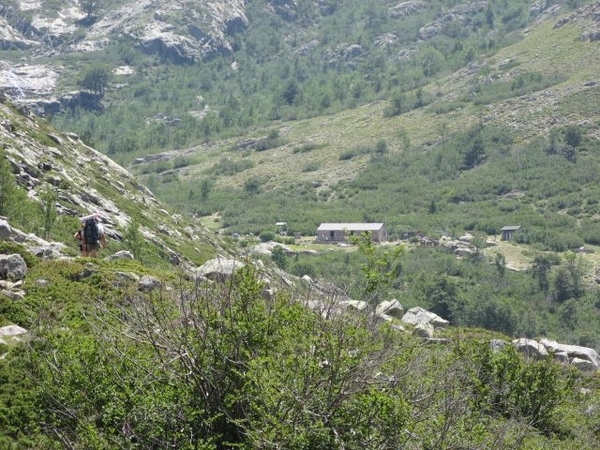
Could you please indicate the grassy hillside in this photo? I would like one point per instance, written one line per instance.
(49, 179)
(512, 138)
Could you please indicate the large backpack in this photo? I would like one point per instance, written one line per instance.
(91, 234)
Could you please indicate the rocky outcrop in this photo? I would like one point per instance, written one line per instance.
(345, 54)
(406, 8)
(583, 358)
(286, 9)
(12, 39)
(30, 82)
(577, 355)
(36, 245)
(218, 268)
(530, 348)
(12, 333)
(148, 283)
(460, 15)
(418, 315)
(81, 99)
(85, 181)
(391, 308)
(12, 267)
(183, 32)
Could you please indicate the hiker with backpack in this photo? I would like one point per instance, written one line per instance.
(92, 235)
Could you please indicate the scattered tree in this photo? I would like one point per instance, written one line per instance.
(96, 78)
(49, 210)
(8, 186)
(205, 188)
(252, 185)
(90, 7)
(573, 136)
(133, 240)
(279, 257)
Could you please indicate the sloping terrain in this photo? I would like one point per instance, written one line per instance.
(85, 181)
(104, 353)
(529, 92)
(123, 354)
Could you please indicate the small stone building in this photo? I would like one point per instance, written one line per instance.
(508, 232)
(333, 233)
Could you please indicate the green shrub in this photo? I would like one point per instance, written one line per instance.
(304, 148)
(267, 236)
(311, 166)
(507, 385)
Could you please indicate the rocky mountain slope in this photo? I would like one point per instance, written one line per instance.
(87, 181)
(183, 31)
(561, 50)
(190, 32)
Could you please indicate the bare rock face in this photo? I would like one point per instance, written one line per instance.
(11, 39)
(27, 80)
(186, 30)
(182, 32)
(418, 315)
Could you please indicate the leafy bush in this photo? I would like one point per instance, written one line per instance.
(267, 236)
(222, 385)
(301, 268)
(507, 385)
(230, 166)
(269, 142)
(311, 166)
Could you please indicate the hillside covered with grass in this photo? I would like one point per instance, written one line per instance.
(508, 140)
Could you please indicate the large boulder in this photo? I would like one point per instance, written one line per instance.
(219, 268)
(530, 348)
(5, 230)
(391, 308)
(12, 333)
(418, 315)
(574, 351)
(122, 254)
(12, 267)
(584, 365)
(148, 283)
(424, 330)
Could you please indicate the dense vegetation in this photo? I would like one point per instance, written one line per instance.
(475, 180)
(220, 366)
